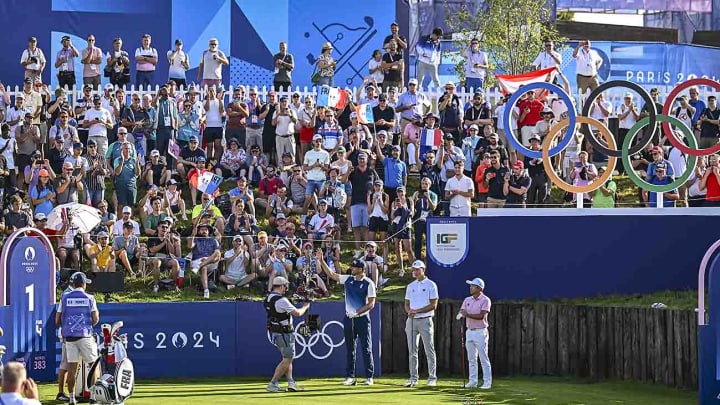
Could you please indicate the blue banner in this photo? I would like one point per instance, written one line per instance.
(546, 254)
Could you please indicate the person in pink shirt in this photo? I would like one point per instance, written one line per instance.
(146, 59)
(411, 137)
(475, 310)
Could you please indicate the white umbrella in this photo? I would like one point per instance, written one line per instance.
(84, 217)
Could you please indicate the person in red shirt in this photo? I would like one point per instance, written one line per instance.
(711, 181)
(482, 191)
(267, 188)
(530, 114)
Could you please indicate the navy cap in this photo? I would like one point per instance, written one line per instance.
(358, 263)
(80, 278)
(193, 138)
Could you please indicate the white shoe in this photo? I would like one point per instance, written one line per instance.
(206, 294)
(349, 381)
(486, 386)
(410, 384)
(230, 286)
(369, 381)
(273, 388)
(294, 387)
(156, 288)
(432, 383)
(469, 385)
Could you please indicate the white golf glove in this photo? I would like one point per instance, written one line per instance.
(352, 314)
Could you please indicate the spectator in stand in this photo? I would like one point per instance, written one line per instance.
(482, 189)
(262, 250)
(548, 57)
(69, 242)
(334, 192)
(241, 223)
(155, 217)
(400, 40)
(628, 115)
(96, 175)
(255, 123)
(496, 180)
(33, 61)
(411, 140)
(65, 62)
(27, 139)
(237, 265)
(284, 65)
(268, 131)
(155, 171)
(107, 218)
(179, 62)
(191, 158)
(188, 125)
(393, 65)
(173, 203)
(127, 171)
(696, 196)
(279, 203)
(411, 104)
(661, 178)
(308, 266)
(205, 255)
(537, 193)
(378, 203)
(587, 64)
(321, 223)
(360, 177)
(375, 68)
(400, 227)
(17, 388)
(699, 106)
(42, 195)
(476, 66)
(530, 114)
(67, 185)
(237, 115)
(267, 188)
(115, 148)
(395, 171)
(710, 182)
(480, 113)
(232, 163)
(471, 153)
(583, 174)
(284, 119)
(146, 59)
(101, 254)
(326, 65)
(15, 218)
(709, 124)
(210, 69)
(518, 186)
(451, 112)
(119, 62)
(429, 53)
(375, 266)
(98, 120)
(128, 249)
(208, 207)
(133, 121)
(604, 197)
(459, 191)
(315, 164)
(244, 193)
(63, 130)
(163, 250)
(424, 203)
(306, 117)
(126, 217)
(279, 266)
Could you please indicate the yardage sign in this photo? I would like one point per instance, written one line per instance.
(27, 286)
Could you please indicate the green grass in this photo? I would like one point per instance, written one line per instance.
(521, 390)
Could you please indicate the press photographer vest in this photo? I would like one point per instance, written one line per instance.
(275, 319)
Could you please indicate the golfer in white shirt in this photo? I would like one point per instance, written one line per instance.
(421, 299)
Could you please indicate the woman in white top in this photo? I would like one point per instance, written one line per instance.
(179, 64)
(696, 196)
(343, 165)
(378, 203)
(173, 202)
(214, 114)
(374, 67)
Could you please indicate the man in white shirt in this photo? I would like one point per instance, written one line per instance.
(628, 115)
(548, 58)
(476, 66)
(587, 63)
(125, 217)
(15, 384)
(210, 69)
(33, 60)
(237, 263)
(284, 118)
(179, 64)
(421, 299)
(98, 121)
(460, 190)
(315, 164)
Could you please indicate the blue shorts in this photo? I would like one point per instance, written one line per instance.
(359, 216)
(312, 186)
(285, 342)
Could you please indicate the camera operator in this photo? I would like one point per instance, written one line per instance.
(280, 312)
(360, 296)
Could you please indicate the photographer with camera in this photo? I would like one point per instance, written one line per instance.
(33, 60)
(359, 301)
(280, 312)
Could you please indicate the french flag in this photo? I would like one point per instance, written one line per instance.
(332, 97)
(511, 83)
(431, 137)
(365, 114)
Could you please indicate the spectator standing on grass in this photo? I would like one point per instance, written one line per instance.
(211, 64)
(475, 310)
(179, 64)
(495, 180)
(421, 299)
(360, 296)
(460, 191)
(425, 201)
(604, 197)
(205, 254)
(428, 53)
(518, 186)
(696, 196)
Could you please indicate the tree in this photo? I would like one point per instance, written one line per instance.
(510, 31)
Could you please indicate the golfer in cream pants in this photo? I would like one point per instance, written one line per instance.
(421, 297)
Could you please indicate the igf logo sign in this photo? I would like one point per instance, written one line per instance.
(446, 238)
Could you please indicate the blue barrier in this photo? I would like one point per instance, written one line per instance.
(708, 338)
(212, 339)
(548, 253)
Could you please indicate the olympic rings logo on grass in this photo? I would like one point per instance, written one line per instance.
(307, 343)
(626, 150)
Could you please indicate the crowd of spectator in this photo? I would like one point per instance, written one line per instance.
(301, 177)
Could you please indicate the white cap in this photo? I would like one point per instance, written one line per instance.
(109, 87)
(476, 281)
(127, 209)
(277, 281)
(317, 136)
(413, 81)
(418, 264)
(155, 152)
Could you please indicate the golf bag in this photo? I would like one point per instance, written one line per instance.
(118, 375)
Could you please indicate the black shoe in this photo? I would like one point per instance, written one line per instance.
(62, 397)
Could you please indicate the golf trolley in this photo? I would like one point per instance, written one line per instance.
(117, 381)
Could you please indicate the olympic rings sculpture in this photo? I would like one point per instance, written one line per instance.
(626, 150)
(312, 340)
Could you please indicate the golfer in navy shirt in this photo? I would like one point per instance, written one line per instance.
(359, 300)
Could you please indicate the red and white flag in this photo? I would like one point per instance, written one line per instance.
(331, 97)
(511, 83)
(431, 137)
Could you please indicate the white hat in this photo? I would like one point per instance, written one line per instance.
(476, 281)
(127, 209)
(316, 137)
(277, 281)
(155, 152)
(628, 95)
(413, 81)
(418, 264)
(109, 87)
(450, 84)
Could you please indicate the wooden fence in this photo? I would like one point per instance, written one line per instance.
(593, 343)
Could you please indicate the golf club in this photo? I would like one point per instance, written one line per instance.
(463, 349)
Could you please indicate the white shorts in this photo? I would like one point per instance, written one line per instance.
(85, 347)
(195, 264)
